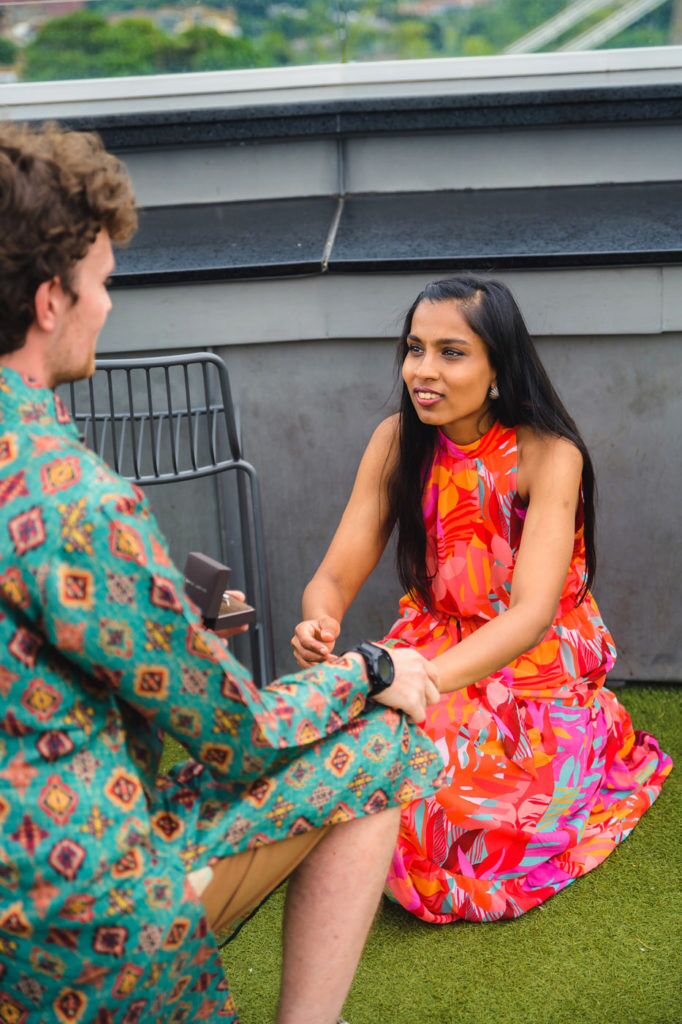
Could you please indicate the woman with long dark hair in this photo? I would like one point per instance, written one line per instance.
(490, 487)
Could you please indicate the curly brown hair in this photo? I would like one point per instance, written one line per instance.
(58, 189)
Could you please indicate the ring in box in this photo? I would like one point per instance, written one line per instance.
(205, 583)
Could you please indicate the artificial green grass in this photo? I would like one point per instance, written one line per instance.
(606, 950)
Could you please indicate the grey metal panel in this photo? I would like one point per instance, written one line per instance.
(230, 240)
(556, 303)
(480, 160)
(498, 230)
(671, 298)
(514, 159)
(625, 395)
(575, 302)
(232, 173)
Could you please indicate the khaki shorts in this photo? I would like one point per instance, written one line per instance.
(238, 884)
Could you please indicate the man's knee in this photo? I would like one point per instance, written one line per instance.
(240, 883)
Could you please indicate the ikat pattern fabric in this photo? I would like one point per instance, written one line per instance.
(545, 773)
(101, 654)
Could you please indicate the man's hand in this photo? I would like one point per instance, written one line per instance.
(415, 685)
(313, 640)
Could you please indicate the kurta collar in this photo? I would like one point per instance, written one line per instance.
(32, 403)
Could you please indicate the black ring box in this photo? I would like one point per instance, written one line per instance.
(205, 583)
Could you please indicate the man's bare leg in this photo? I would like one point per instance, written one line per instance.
(331, 902)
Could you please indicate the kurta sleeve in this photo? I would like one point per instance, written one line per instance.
(112, 590)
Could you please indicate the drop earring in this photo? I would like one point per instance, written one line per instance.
(493, 391)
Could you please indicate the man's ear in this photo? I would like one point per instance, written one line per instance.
(49, 304)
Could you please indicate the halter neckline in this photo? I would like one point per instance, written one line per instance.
(474, 449)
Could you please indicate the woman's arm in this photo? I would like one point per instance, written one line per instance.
(357, 546)
(549, 476)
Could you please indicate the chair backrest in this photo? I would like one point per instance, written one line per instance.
(160, 419)
(166, 419)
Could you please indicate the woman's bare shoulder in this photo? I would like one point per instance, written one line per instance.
(382, 450)
(537, 446)
(542, 455)
(386, 436)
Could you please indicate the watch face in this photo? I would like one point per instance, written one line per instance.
(380, 670)
(385, 668)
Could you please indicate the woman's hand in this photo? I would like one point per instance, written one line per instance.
(225, 634)
(313, 640)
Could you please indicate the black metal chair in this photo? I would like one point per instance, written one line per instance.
(167, 419)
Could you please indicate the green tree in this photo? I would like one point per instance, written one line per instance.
(8, 52)
(275, 49)
(476, 46)
(84, 45)
(409, 39)
(254, 15)
(365, 41)
(205, 49)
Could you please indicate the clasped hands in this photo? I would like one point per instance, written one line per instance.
(414, 687)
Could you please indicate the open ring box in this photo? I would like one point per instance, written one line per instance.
(205, 583)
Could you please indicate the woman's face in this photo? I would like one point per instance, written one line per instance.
(447, 372)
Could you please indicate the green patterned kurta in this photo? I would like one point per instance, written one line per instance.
(100, 653)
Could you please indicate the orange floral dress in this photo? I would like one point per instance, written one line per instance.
(546, 775)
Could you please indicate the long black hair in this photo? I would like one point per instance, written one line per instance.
(526, 397)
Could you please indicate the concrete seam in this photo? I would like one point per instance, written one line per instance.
(331, 237)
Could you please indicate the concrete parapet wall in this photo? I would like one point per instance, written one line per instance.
(311, 357)
(517, 158)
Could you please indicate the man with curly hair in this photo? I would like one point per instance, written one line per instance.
(114, 878)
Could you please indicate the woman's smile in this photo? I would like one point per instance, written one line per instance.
(426, 397)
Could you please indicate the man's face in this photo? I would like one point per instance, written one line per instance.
(71, 355)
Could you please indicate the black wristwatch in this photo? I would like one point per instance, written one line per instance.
(380, 668)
